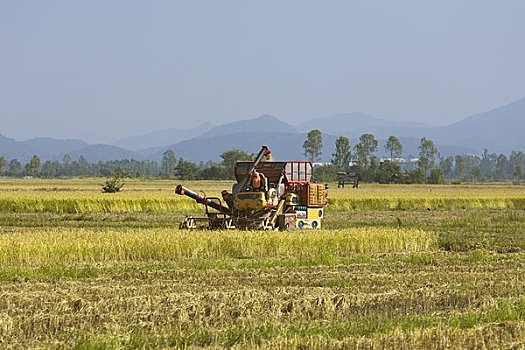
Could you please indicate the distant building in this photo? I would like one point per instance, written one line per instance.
(321, 164)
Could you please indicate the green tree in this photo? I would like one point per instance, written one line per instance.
(313, 146)
(326, 173)
(115, 183)
(394, 147)
(459, 167)
(50, 169)
(427, 157)
(3, 162)
(364, 149)
(487, 164)
(186, 170)
(446, 165)
(169, 161)
(32, 167)
(213, 171)
(14, 168)
(341, 157)
(518, 171)
(413, 177)
(501, 167)
(68, 171)
(436, 175)
(469, 167)
(517, 164)
(370, 173)
(83, 165)
(230, 157)
(475, 173)
(388, 172)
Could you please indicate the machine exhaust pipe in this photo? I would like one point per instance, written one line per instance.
(181, 190)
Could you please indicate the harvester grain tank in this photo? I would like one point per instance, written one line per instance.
(268, 195)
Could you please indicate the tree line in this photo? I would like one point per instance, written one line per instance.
(361, 158)
(429, 167)
(170, 167)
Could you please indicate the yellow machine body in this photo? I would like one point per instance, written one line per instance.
(302, 224)
(250, 201)
(308, 217)
(291, 199)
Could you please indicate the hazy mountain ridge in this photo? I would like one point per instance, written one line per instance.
(499, 130)
(284, 146)
(51, 146)
(262, 123)
(11, 148)
(48, 148)
(351, 123)
(160, 138)
(102, 152)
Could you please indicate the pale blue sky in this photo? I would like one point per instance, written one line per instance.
(101, 70)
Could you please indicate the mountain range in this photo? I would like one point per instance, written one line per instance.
(499, 130)
(161, 138)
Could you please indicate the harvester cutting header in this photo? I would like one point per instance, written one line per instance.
(268, 195)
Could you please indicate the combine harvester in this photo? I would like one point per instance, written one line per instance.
(268, 195)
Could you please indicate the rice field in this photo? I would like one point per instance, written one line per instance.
(395, 267)
(84, 196)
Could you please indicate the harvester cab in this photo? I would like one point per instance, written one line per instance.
(268, 195)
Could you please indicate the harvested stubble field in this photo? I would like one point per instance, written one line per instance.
(404, 267)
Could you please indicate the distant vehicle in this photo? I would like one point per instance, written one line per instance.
(347, 178)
